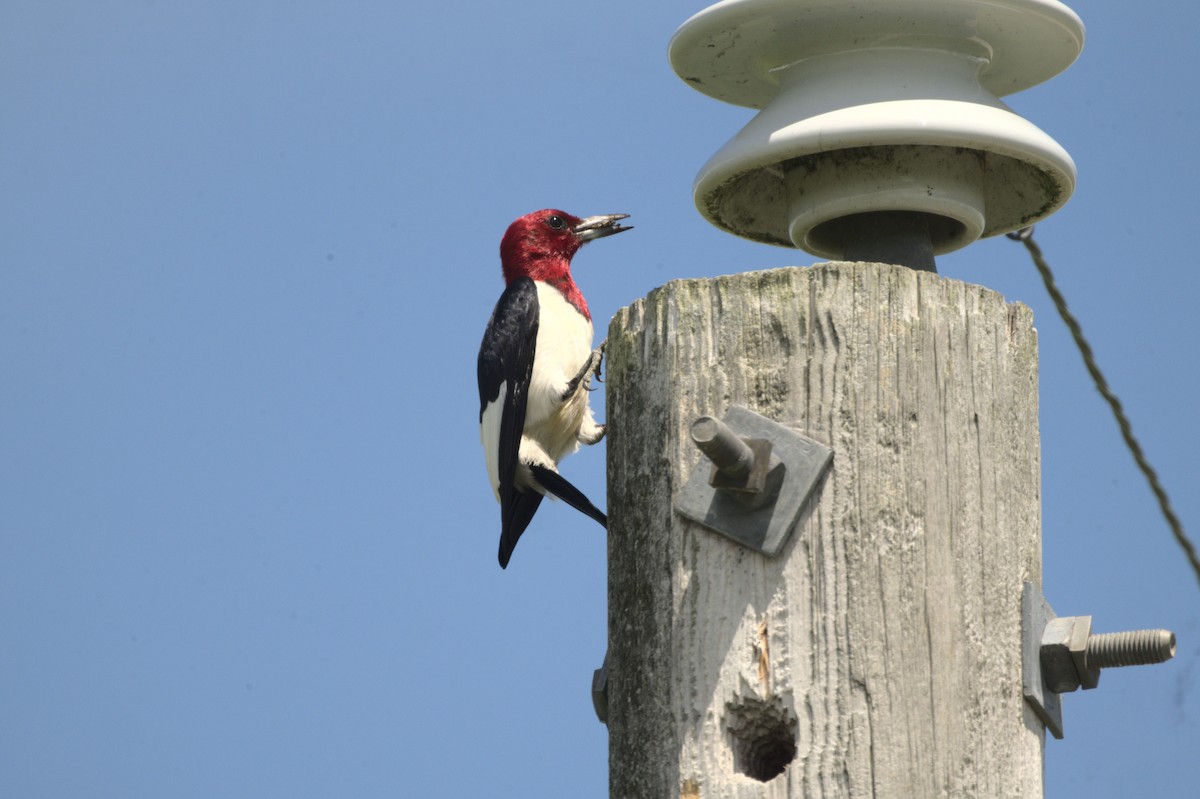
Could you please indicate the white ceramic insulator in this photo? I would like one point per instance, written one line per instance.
(879, 105)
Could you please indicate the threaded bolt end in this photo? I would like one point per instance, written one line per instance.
(1137, 648)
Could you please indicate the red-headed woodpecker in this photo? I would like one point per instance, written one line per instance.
(536, 364)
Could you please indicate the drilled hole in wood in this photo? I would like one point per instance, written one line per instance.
(762, 736)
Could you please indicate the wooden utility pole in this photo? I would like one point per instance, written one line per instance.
(879, 654)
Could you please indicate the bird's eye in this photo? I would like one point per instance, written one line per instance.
(556, 222)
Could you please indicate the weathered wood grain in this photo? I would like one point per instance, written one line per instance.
(884, 641)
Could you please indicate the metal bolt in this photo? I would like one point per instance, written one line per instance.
(1071, 657)
(729, 453)
(742, 467)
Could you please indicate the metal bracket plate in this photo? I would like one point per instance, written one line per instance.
(764, 529)
(600, 691)
(1035, 615)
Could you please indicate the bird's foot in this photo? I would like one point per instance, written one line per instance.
(594, 435)
(583, 379)
(598, 359)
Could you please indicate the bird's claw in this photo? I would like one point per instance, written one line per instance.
(598, 357)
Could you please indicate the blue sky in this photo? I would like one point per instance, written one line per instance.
(247, 250)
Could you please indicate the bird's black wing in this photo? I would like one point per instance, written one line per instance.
(505, 368)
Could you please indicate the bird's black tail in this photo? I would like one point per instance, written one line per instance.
(516, 513)
(520, 506)
(560, 487)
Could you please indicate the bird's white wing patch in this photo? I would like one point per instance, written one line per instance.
(489, 436)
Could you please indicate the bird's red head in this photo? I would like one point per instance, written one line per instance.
(540, 246)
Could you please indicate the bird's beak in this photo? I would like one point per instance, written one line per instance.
(597, 227)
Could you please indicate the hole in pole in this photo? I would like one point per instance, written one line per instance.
(762, 736)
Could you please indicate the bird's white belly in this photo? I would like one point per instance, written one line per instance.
(564, 344)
